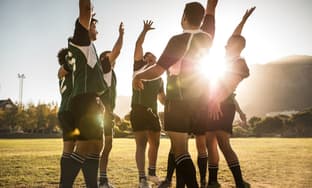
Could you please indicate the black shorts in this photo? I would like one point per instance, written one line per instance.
(88, 110)
(108, 123)
(143, 119)
(225, 123)
(67, 125)
(183, 116)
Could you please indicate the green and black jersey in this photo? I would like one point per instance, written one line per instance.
(148, 96)
(84, 63)
(109, 97)
(66, 87)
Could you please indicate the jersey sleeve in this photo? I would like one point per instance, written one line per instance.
(172, 53)
(81, 35)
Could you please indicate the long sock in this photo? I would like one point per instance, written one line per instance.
(237, 174)
(142, 175)
(171, 165)
(213, 173)
(71, 169)
(63, 165)
(186, 170)
(103, 177)
(90, 170)
(152, 171)
(202, 166)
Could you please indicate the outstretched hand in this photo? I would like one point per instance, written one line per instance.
(148, 25)
(121, 28)
(214, 110)
(248, 13)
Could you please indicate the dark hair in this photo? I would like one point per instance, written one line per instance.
(104, 53)
(61, 55)
(194, 13)
(147, 53)
(238, 40)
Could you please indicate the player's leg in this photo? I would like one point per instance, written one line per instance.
(213, 159)
(153, 141)
(202, 158)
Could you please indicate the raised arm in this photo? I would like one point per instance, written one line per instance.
(138, 52)
(239, 28)
(118, 45)
(85, 13)
(209, 20)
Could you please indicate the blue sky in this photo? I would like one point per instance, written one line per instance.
(34, 30)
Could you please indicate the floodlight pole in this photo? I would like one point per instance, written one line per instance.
(21, 77)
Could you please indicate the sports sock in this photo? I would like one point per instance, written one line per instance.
(213, 173)
(71, 169)
(237, 174)
(152, 171)
(103, 177)
(202, 166)
(63, 162)
(90, 170)
(171, 165)
(142, 175)
(186, 171)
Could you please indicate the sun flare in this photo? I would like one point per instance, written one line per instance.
(212, 66)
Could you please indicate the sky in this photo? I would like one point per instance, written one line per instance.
(33, 31)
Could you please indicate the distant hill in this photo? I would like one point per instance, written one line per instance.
(281, 85)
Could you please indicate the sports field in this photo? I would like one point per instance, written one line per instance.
(266, 162)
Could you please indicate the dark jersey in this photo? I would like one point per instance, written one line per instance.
(65, 86)
(181, 59)
(86, 69)
(109, 97)
(148, 96)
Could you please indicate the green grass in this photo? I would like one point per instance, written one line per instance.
(266, 162)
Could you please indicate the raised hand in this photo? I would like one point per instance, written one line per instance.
(148, 25)
(121, 29)
(248, 13)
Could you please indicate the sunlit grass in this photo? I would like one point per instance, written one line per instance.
(266, 162)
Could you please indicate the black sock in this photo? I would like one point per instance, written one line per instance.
(186, 171)
(103, 177)
(71, 169)
(142, 175)
(63, 162)
(152, 171)
(171, 165)
(236, 171)
(213, 173)
(202, 166)
(90, 170)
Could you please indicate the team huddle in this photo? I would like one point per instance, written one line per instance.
(192, 104)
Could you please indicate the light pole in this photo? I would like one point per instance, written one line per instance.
(21, 77)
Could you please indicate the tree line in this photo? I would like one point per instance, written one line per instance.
(42, 119)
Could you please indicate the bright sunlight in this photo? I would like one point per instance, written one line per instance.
(212, 66)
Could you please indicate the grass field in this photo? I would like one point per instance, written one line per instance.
(266, 162)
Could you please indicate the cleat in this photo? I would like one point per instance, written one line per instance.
(164, 184)
(144, 184)
(214, 185)
(106, 185)
(246, 185)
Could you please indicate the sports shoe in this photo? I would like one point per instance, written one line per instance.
(154, 179)
(164, 184)
(214, 185)
(106, 185)
(144, 184)
(246, 185)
